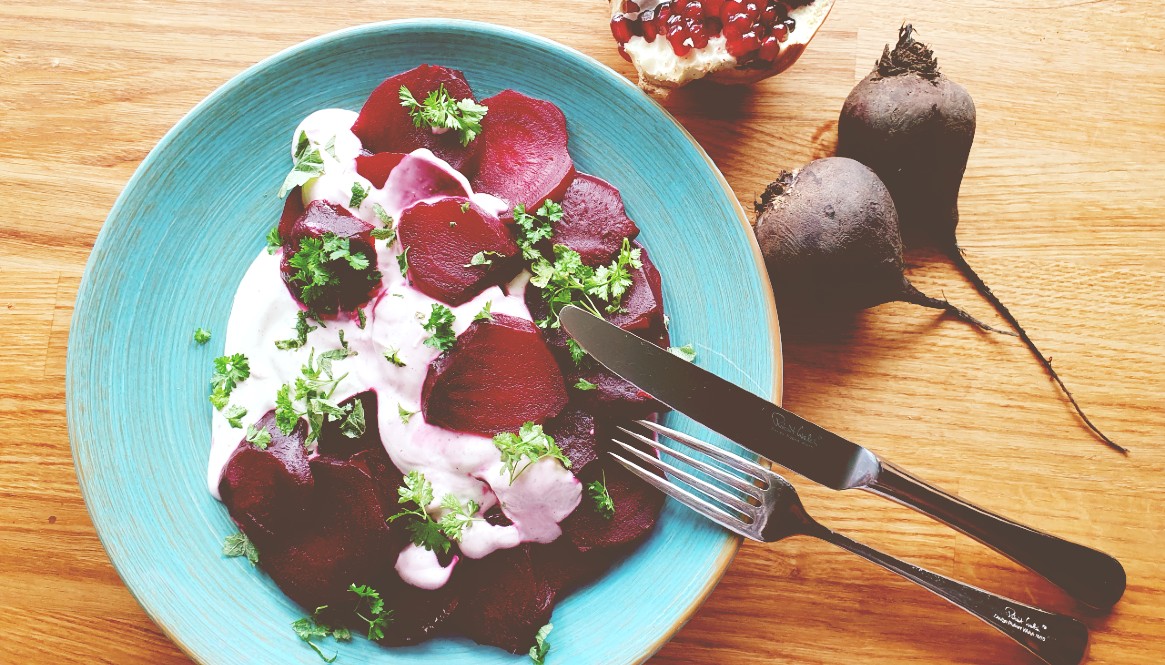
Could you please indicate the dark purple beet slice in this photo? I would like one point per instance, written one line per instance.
(375, 168)
(612, 396)
(292, 210)
(574, 432)
(642, 305)
(521, 154)
(637, 506)
(555, 337)
(442, 238)
(505, 601)
(497, 376)
(267, 491)
(350, 288)
(565, 568)
(334, 443)
(593, 222)
(385, 126)
(417, 613)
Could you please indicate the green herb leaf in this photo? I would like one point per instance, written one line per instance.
(315, 264)
(309, 163)
(353, 425)
(201, 336)
(309, 628)
(402, 261)
(302, 328)
(583, 384)
(285, 414)
(597, 491)
(382, 215)
(568, 281)
(434, 535)
(531, 444)
(485, 314)
(229, 371)
(440, 112)
(260, 438)
(576, 351)
(440, 328)
(238, 544)
(358, 195)
(454, 522)
(533, 229)
(480, 259)
(234, 415)
(404, 413)
(687, 352)
(464, 208)
(392, 355)
(361, 319)
(541, 646)
(274, 242)
(370, 608)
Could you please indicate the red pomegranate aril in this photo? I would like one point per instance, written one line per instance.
(780, 32)
(770, 48)
(712, 7)
(692, 10)
(650, 31)
(729, 8)
(740, 23)
(663, 12)
(621, 29)
(752, 10)
(699, 40)
(769, 15)
(623, 52)
(630, 7)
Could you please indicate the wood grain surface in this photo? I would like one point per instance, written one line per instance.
(1062, 213)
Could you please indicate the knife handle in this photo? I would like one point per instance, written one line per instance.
(1090, 576)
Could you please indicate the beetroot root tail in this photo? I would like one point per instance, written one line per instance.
(912, 295)
(957, 255)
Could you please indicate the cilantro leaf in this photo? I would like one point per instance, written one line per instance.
(302, 328)
(201, 336)
(359, 193)
(441, 113)
(530, 443)
(260, 438)
(392, 355)
(485, 314)
(309, 163)
(583, 384)
(687, 352)
(238, 544)
(541, 646)
(597, 491)
(440, 328)
(229, 371)
(404, 413)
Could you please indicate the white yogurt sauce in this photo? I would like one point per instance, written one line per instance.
(465, 465)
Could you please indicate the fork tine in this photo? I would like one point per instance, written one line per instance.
(702, 486)
(719, 454)
(717, 473)
(687, 498)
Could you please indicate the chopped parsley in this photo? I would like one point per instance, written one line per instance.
(388, 233)
(440, 328)
(302, 328)
(312, 397)
(315, 264)
(567, 281)
(583, 384)
(404, 413)
(392, 355)
(485, 314)
(361, 319)
(201, 336)
(576, 351)
(353, 425)
(481, 259)
(229, 371)
(541, 646)
(238, 544)
(370, 602)
(274, 242)
(687, 352)
(597, 491)
(260, 438)
(310, 628)
(464, 208)
(402, 261)
(530, 443)
(309, 163)
(533, 229)
(441, 112)
(359, 193)
(426, 532)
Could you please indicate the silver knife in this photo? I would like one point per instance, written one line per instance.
(1092, 577)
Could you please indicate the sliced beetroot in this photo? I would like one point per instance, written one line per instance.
(348, 288)
(565, 568)
(334, 443)
(521, 154)
(642, 305)
(292, 211)
(497, 376)
(443, 237)
(637, 506)
(593, 222)
(376, 168)
(612, 396)
(574, 432)
(505, 600)
(267, 490)
(385, 126)
(539, 310)
(417, 614)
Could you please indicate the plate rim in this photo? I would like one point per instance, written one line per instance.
(732, 544)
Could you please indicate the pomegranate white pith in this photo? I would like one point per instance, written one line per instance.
(672, 43)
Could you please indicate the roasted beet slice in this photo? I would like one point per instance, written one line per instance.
(497, 376)
(565, 568)
(637, 506)
(386, 126)
(292, 211)
(376, 168)
(417, 613)
(539, 310)
(593, 222)
(443, 237)
(642, 305)
(574, 432)
(334, 443)
(267, 490)
(505, 600)
(347, 288)
(521, 153)
(611, 396)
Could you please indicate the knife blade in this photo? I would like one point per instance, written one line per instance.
(746, 418)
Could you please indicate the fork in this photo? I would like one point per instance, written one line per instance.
(766, 508)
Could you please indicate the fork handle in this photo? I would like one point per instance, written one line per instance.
(1092, 577)
(1054, 638)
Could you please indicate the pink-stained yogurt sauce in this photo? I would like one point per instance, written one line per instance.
(465, 465)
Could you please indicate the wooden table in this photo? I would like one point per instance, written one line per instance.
(1062, 213)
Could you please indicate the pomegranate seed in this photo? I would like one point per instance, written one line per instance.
(790, 24)
(623, 52)
(729, 8)
(769, 15)
(770, 48)
(678, 44)
(712, 7)
(630, 7)
(739, 23)
(745, 44)
(621, 28)
(674, 20)
(692, 10)
(752, 10)
(651, 31)
(780, 32)
(700, 39)
(663, 11)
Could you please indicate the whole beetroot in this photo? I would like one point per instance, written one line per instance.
(829, 235)
(914, 127)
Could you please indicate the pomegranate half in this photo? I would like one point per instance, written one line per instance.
(672, 43)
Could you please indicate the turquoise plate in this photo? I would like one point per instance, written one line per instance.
(193, 217)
